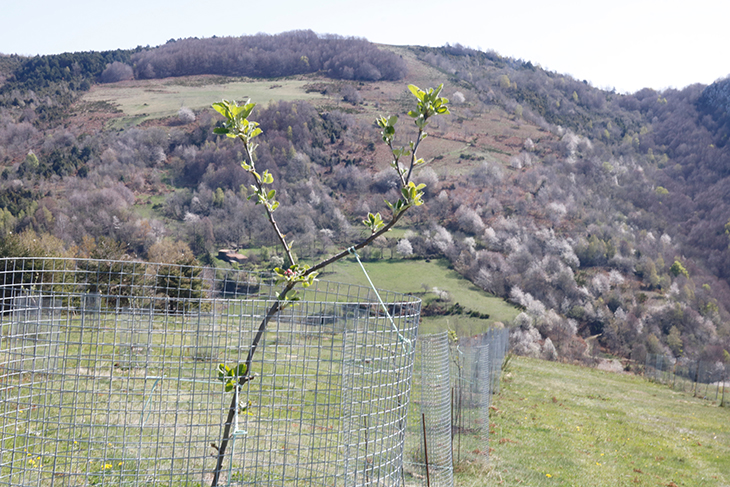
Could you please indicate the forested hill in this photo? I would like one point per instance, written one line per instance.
(260, 55)
(679, 136)
(602, 215)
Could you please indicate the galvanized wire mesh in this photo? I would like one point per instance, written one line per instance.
(476, 370)
(108, 377)
(700, 378)
(499, 343)
(471, 398)
(428, 459)
(449, 418)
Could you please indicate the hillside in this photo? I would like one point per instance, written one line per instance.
(555, 424)
(598, 214)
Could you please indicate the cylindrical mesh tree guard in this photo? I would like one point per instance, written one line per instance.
(471, 397)
(498, 340)
(432, 391)
(476, 370)
(108, 376)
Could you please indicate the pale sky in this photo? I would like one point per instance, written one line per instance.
(622, 44)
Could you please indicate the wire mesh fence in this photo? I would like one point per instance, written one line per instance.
(449, 418)
(476, 372)
(428, 458)
(108, 376)
(700, 378)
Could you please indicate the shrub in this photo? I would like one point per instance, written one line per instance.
(116, 71)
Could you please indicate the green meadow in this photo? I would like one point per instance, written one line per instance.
(420, 277)
(557, 424)
(151, 99)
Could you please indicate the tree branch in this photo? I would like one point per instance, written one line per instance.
(269, 212)
(361, 245)
(233, 408)
(238, 126)
(413, 155)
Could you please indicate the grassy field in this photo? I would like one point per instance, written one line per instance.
(110, 398)
(557, 424)
(148, 99)
(417, 276)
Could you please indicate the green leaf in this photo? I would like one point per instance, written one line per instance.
(267, 178)
(374, 222)
(222, 372)
(398, 153)
(417, 92)
(234, 108)
(292, 295)
(245, 110)
(309, 280)
(222, 108)
(271, 194)
(220, 130)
